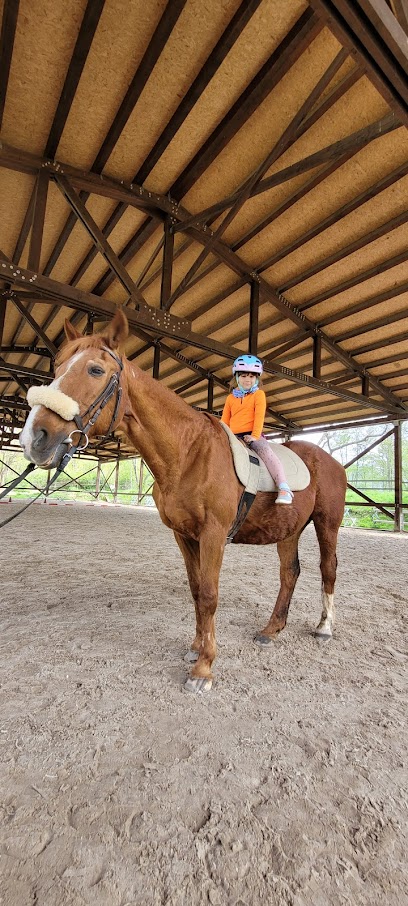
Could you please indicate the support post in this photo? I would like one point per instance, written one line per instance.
(140, 487)
(317, 356)
(98, 480)
(115, 492)
(166, 278)
(365, 385)
(89, 324)
(3, 304)
(253, 319)
(399, 513)
(210, 397)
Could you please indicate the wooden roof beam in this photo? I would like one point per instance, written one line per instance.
(300, 193)
(15, 372)
(99, 240)
(287, 138)
(346, 250)
(337, 215)
(82, 47)
(13, 296)
(213, 62)
(223, 46)
(387, 294)
(382, 268)
(380, 45)
(142, 74)
(400, 10)
(333, 152)
(381, 127)
(281, 60)
(319, 177)
(361, 330)
(7, 36)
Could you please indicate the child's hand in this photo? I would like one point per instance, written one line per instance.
(248, 438)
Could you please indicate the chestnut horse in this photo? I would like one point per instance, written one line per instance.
(196, 490)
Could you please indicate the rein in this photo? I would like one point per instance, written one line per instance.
(93, 411)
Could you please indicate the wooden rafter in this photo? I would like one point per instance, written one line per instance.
(353, 143)
(288, 137)
(143, 71)
(344, 18)
(8, 31)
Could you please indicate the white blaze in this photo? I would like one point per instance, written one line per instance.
(27, 436)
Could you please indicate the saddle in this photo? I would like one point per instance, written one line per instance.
(254, 475)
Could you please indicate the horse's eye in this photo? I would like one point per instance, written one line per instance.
(95, 370)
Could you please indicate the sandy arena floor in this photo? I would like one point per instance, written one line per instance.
(286, 785)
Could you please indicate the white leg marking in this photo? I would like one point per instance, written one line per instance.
(326, 625)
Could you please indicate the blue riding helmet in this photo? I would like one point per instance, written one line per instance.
(249, 363)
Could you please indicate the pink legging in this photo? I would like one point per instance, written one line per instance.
(273, 464)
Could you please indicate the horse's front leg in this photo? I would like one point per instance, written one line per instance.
(212, 544)
(289, 573)
(190, 550)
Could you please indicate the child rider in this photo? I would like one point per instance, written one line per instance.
(244, 413)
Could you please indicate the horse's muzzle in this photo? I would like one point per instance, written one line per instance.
(40, 447)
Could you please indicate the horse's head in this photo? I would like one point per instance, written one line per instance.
(84, 398)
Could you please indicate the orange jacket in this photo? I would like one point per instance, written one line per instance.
(245, 415)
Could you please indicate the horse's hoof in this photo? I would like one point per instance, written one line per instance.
(191, 657)
(198, 686)
(262, 640)
(322, 636)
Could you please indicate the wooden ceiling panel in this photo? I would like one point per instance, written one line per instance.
(43, 46)
(114, 56)
(265, 31)
(185, 53)
(15, 193)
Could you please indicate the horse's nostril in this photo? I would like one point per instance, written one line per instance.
(40, 437)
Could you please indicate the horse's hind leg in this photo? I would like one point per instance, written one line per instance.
(191, 554)
(289, 573)
(327, 537)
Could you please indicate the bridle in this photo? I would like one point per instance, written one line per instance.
(93, 411)
(83, 423)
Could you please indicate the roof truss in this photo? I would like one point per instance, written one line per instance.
(269, 295)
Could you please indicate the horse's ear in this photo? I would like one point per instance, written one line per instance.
(117, 331)
(71, 332)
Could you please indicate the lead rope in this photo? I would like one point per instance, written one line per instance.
(14, 516)
(13, 484)
(61, 468)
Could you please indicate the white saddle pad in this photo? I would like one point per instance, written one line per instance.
(297, 473)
